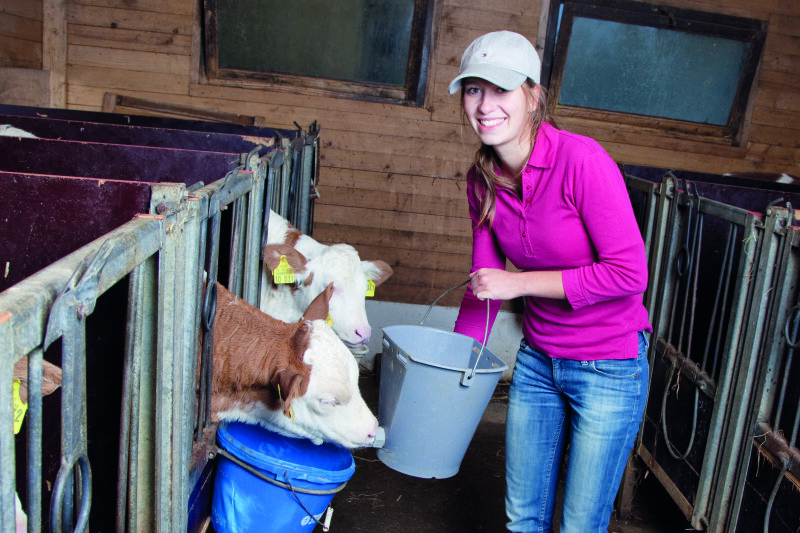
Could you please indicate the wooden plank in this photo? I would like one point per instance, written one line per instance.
(21, 28)
(54, 49)
(781, 81)
(168, 43)
(661, 158)
(425, 258)
(112, 79)
(445, 189)
(175, 7)
(779, 99)
(19, 53)
(22, 8)
(395, 163)
(788, 155)
(367, 236)
(769, 116)
(93, 56)
(513, 7)
(339, 138)
(282, 108)
(737, 8)
(486, 19)
(400, 202)
(29, 87)
(129, 19)
(278, 97)
(395, 220)
(785, 23)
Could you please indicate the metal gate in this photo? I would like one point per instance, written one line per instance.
(162, 257)
(723, 303)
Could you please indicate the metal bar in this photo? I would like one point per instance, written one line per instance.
(726, 384)
(252, 254)
(7, 477)
(34, 444)
(32, 298)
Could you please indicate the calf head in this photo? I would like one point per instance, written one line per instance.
(297, 379)
(339, 265)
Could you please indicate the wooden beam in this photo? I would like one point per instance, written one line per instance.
(54, 49)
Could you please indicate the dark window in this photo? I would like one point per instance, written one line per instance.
(374, 49)
(658, 67)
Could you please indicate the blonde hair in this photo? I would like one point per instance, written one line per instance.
(486, 161)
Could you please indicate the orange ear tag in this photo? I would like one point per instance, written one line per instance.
(283, 273)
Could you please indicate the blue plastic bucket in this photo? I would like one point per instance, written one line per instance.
(433, 392)
(245, 503)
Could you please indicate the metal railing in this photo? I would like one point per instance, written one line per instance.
(723, 283)
(164, 256)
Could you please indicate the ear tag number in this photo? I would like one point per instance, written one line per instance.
(370, 288)
(283, 273)
(20, 408)
(329, 320)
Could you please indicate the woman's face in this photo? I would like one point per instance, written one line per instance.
(499, 117)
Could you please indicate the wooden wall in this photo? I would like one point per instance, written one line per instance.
(21, 34)
(392, 177)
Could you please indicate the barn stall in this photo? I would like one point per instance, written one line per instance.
(415, 208)
(128, 404)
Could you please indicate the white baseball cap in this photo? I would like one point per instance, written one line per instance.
(504, 58)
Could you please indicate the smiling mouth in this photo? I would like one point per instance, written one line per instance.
(489, 123)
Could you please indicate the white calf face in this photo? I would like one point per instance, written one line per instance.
(332, 409)
(340, 264)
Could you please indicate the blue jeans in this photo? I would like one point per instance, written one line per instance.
(593, 406)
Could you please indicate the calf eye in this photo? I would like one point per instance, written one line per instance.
(329, 402)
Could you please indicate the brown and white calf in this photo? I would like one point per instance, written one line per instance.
(297, 378)
(316, 266)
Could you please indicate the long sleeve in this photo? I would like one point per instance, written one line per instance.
(486, 253)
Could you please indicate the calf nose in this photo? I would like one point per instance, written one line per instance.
(364, 333)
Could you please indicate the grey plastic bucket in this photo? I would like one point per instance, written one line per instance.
(432, 397)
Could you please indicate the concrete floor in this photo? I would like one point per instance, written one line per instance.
(379, 499)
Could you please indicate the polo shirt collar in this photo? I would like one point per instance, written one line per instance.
(545, 147)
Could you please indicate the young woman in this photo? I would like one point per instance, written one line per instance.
(554, 205)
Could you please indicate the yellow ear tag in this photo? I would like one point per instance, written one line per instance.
(370, 288)
(280, 397)
(329, 320)
(20, 408)
(283, 273)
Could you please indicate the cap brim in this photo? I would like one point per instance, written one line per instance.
(502, 77)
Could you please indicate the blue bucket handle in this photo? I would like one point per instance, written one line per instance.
(466, 379)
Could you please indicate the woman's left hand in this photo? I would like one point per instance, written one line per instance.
(495, 284)
(498, 284)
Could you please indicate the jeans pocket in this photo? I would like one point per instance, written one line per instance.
(617, 368)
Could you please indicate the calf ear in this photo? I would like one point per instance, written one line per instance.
(288, 384)
(51, 378)
(378, 271)
(272, 257)
(318, 308)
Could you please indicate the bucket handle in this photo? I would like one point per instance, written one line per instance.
(317, 492)
(288, 486)
(466, 379)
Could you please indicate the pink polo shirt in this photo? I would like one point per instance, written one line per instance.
(575, 215)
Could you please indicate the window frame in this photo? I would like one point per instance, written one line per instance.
(413, 93)
(643, 14)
